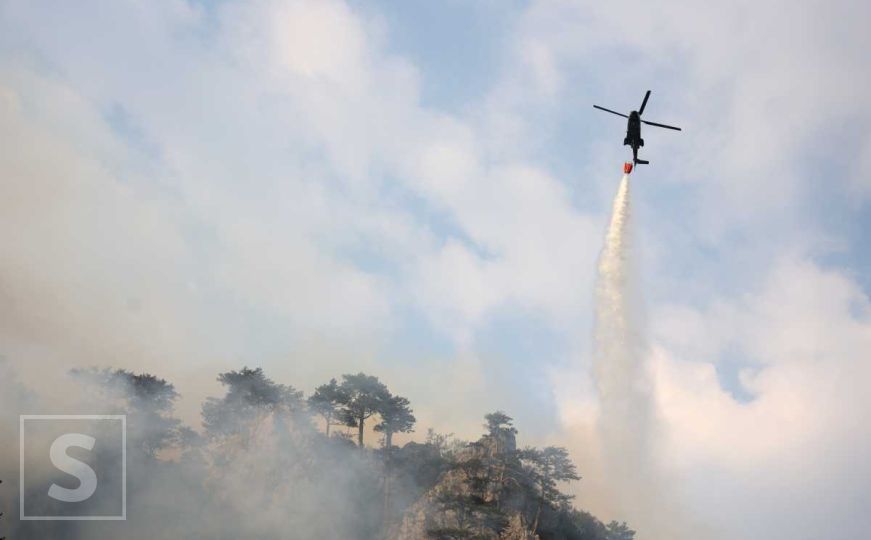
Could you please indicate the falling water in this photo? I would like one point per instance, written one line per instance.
(617, 338)
(625, 404)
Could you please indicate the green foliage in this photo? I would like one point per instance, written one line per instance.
(143, 392)
(325, 401)
(445, 444)
(396, 417)
(499, 424)
(250, 398)
(362, 397)
(546, 468)
(619, 531)
(478, 490)
(149, 392)
(146, 399)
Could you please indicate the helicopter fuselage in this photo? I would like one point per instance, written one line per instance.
(633, 134)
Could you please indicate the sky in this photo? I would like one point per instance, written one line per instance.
(419, 190)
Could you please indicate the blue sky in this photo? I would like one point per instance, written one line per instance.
(419, 190)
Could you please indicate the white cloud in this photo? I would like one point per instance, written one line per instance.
(260, 158)
(322, 39)
(799, 440)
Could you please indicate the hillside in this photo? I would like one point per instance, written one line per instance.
(269, 463)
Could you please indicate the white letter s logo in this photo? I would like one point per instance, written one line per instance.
(86, 475)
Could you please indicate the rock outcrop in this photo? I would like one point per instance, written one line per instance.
(477, 497)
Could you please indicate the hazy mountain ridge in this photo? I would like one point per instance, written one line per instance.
(263, 467)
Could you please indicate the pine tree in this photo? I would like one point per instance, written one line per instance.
(326, 401)
(250, 397)
(396, 417)
(363, 396)
(545, 468)
(619, 531)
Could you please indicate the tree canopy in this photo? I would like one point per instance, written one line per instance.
(396, 417)
(499, 424)
(251, 397)
(259, 433)
(326, 401)
(362, 397)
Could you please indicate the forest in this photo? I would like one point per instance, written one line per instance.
(269, 462)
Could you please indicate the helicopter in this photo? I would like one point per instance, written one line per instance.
(633, 131)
